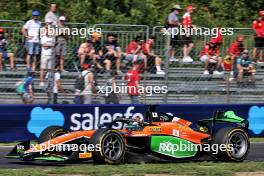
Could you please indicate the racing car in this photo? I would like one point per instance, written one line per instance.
(158, 134)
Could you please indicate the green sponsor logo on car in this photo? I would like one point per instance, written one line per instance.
(173, 146)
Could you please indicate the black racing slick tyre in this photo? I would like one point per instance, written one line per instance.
(50, 133)
(112, 146)
(236, 141)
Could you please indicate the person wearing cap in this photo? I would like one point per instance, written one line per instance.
(52, 15)
(61, 42)
(4, 51)
(98, 53)
(89, 86)
(187, 39)
(31, 31)
(245, 66)
(173, 21)
(211, 54)
(235, 51)
(96, 40)
(258, 27)
(46, 27)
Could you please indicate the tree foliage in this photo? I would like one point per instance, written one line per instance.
(208, 13)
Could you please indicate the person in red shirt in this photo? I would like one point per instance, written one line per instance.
(187, 39)
(258, 26)
(134, 53)
(152, 59)
(211, 54)
(134, 46)
(132, 77)
(235, 50)
(218, 39)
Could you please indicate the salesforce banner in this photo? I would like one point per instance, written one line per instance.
(26, 122)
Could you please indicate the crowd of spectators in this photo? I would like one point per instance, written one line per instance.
(210, 54)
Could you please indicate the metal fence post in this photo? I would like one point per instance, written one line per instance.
(228, 90)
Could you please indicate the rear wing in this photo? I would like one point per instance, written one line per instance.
(224, 117)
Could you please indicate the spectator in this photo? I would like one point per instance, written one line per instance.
(112, 97)
(54, 83)
(28, 96)
(218, 39)
(47, 55)
(96, 41)
(235, 51)
(31, 32)
(112, 51)
(86, 53)
(173, 22)
(132, 77)
(187, 39)
(98, 53)
(152, 59)
(245, 67)
(52, 15)
(210, 54)
(61, 45)
(258, 26)
(4, 54)
(134, 47)
(89, 86)
(134, 52)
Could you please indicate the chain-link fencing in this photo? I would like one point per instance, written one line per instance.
(187, 82)
(181, 83)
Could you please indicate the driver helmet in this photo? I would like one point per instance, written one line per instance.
(137, 120)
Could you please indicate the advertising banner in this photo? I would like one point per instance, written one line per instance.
(24, 122)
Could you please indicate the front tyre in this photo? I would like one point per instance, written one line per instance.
(56, 131)
(236, 141)
(51, 133)
(112, 146)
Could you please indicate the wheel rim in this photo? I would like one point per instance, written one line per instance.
(239, 145)
(112, 147)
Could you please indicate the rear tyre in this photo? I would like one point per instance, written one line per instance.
(238, 141)
(51, 132)
(112, 146)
